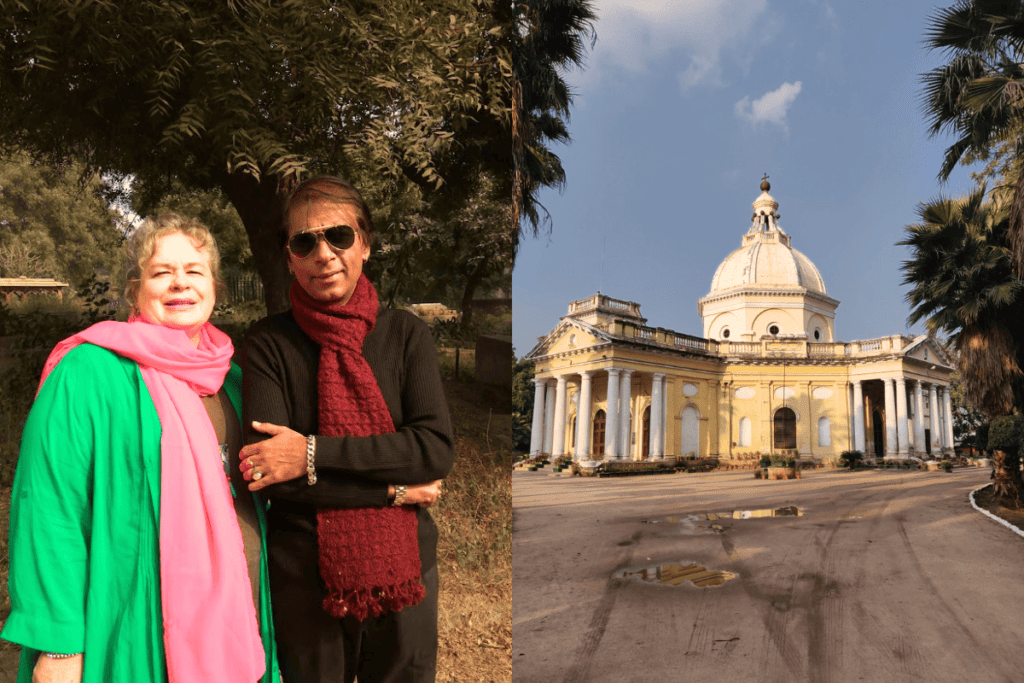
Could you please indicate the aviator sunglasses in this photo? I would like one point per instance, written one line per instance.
(339, 238)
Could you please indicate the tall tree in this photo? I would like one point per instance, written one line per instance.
(248, 95)
(54, 222)
(963, 283)
(550, 39)
(976, 96)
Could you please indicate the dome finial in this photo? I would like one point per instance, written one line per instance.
(765, 185)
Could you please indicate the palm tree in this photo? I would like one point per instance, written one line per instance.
(964, 283)
(550, 38)
(977, 96)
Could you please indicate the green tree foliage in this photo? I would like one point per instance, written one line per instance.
(963, 283)
(214, 210)
(451, 260)
(975, 96)
(967, 420)
(550, 39)
(54, 222)
(523, 390)
(247, 96)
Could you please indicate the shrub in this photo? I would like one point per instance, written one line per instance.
(766, 461)
(850, 458)
(1005, 433)
(791, 461)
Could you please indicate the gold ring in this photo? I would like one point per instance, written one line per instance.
(257, 475)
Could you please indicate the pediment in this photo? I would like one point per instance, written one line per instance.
(569, 335)
(929, 350)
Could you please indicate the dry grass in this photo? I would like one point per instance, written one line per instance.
(474, 516)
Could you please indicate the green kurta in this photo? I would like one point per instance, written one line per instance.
(85, 516)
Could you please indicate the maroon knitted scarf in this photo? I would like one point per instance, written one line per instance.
(369, 557)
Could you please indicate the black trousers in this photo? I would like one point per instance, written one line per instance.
(315, 647)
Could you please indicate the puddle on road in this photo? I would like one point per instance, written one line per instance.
(788, 511)
(676, 574)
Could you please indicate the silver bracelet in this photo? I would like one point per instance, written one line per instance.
(310, 456)
(58, 655)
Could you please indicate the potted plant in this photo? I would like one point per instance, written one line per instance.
(946, 465)
(782, 466)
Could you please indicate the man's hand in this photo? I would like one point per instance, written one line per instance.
(282, 457)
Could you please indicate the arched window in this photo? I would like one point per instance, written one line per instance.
(745, 432)
(824, 432)
(647, 433)
(598, 443)
(785, 428)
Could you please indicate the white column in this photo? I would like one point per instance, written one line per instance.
(858, 416)
(611, 435)
(583, 436)
(549, 418)
(537, 431)
(918, 418)
(625, 401)
(948, 403)
(558, 436)
(890, 419)
(664, 415)
(657, 413)
(933, 413)
(902, 425)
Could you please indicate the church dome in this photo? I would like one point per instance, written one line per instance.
(766, 258)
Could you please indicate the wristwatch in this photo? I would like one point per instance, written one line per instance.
(400, 493)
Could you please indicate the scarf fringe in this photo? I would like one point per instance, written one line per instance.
(362, 603)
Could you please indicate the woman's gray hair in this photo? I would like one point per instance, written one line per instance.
(142, 243)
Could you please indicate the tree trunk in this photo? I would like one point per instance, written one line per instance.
(260, 205)
(472, 282)
(1007, 484)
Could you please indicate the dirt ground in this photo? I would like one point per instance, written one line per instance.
(985, 501)
(879, 575)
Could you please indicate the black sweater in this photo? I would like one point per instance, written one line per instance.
(280, 364)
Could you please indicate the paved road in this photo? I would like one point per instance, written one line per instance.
(885, 576)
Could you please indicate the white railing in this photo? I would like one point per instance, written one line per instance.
(690, 342)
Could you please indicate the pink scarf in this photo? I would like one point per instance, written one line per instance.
(210, 629)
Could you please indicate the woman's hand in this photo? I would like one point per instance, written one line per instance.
(282, 457)
(423, 495)
(63, 670)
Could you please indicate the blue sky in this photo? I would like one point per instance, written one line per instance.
(685, 104)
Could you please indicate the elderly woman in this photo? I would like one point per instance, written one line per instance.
(130, 558)
(352, 399)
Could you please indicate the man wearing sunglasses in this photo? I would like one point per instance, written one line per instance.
(351, 398)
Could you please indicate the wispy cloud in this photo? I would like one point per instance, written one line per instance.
(770, 107)
(632, 34)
